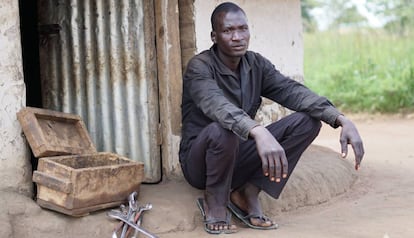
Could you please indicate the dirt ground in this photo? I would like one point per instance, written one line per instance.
(380, 204)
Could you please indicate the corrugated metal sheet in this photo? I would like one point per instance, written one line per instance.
(101, 65)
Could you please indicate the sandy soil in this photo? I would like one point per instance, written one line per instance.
(380, 204)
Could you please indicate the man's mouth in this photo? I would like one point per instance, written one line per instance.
(238, 47)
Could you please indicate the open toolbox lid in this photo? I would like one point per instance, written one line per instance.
(52, 133)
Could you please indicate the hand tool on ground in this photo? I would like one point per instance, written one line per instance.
(135, 235)
(138, 218)
(127, 213)
(133, 207)
(133, 225)
(123, 210)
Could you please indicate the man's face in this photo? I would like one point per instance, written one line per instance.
(231, 34)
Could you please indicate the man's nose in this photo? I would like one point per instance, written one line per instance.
(236, 35)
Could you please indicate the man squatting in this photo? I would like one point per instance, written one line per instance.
(223, 150)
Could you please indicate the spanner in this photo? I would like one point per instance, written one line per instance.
(135, 235)
(120, 224)
(131, 212)
(131, 224)
(126, 214)
(123, 211)
(138, 217)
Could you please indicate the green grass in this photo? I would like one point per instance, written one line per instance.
(361, 71)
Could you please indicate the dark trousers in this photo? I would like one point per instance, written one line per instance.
(219, 161)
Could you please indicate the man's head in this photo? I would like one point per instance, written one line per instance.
(224, 7)
(230, 31)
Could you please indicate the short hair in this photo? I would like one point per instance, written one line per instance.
(224, 7)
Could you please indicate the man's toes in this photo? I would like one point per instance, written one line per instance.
(261, 222)
(222, 227)
(213, 227)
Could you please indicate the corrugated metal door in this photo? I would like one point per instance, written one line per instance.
(98, 60)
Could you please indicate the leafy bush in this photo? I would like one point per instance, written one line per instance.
(364, 71)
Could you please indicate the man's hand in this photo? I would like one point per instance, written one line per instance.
(350, 135)
(274, 162)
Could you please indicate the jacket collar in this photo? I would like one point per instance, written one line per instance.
(223, 69)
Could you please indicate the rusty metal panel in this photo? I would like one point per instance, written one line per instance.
(98, 61)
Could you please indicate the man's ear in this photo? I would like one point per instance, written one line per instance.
(213, 36)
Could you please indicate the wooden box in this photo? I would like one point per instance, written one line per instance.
(72, 177)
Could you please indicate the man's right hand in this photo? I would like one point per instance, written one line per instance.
(274, 161)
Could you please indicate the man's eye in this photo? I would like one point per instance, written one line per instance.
(245, 28)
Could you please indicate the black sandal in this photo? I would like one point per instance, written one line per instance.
(245, 218)
(216, 222)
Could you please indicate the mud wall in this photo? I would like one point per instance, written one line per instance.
(15, 168)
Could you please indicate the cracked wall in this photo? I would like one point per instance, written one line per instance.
(15, 167)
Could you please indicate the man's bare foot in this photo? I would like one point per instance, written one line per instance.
(215, 225)
(246, 199)
(222, 227)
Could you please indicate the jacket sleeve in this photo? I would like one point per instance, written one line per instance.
(295, 96)
(210, 99)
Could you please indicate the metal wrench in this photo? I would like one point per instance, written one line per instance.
(138, 217)
(135, 235)
(124, 213)
(131, 224)
(123, 210)
(120, 224)
(131, 212)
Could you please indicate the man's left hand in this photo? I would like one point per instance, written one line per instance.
(350, 135)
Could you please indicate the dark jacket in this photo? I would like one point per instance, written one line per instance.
(213, 93)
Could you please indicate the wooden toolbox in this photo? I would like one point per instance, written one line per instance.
(72, 177)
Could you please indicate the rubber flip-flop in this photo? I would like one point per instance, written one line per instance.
(207, 223)
(245, 218)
